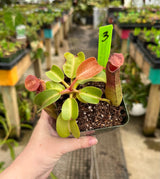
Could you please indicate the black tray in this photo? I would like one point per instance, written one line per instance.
(133, 25)
(157, 26)
(11, 57)
(15, 60)
(133, 38)
(145, 43)
(152, 59)
(112, 10)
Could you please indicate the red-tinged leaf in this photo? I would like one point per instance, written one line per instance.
(116, 61)
(32, 83)
(88, 69)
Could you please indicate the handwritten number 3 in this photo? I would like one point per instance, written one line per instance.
(105, 36)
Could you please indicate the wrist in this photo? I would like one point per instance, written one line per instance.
(21, 167)
(27, 166)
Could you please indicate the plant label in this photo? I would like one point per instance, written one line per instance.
(21, 32)
(104, 45)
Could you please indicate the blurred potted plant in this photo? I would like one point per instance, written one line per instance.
(83, 13)
(10, 50)
(148, 37)
(27, 110)
(135, 94)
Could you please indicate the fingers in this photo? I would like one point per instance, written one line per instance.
(71, 144)
(66, 144)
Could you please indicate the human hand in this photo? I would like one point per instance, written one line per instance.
(43, 150)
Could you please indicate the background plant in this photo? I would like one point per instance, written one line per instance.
(11, 18)
(27, 112)
(7, 48)
(5, 141)
(136, 31)
(155, 49)
(27, 109)
(134, 90)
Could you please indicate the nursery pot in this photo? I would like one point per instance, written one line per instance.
(106, 116)
(137, 109)
(97, 118)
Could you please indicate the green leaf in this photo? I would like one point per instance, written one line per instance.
(62, 127)
(70, 109)
(15, 143)
(53, 85)
(1, 170)
(19, 19)
(80, 99)
(27, 111)
(74, 129)
(4, 125)
(80, 56)
(39, 54)
(11, 148)
(2, 166)
(53, 176)
(101, 77)
(12, 152)
(72, 63)
(55, 74)
(47, 97)
(26, 126)
(90, 94)
(9, 20)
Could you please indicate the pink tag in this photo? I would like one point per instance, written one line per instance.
(125, 34)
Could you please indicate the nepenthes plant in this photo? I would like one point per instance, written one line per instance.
(79, 71)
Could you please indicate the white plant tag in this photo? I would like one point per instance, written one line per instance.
(21, 32)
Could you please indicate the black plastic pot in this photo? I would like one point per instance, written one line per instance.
(154, 60)
(9, 62)
(107, 129)
(89, 20)
(47, 26)
(133, 38)
(157, 24)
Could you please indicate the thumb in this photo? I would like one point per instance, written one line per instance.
(71, 144)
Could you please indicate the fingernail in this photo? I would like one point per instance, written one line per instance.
(93, 141)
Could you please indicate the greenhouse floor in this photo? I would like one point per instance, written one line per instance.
(139, 156)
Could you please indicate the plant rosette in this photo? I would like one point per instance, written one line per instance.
(84, 97)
